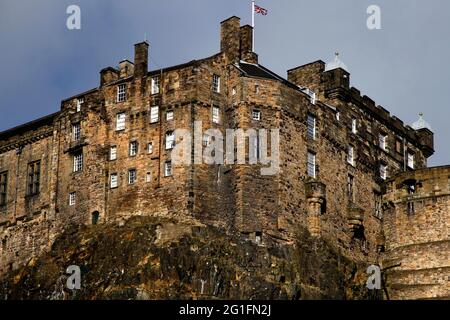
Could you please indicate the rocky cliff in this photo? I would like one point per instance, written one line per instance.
(149, 258)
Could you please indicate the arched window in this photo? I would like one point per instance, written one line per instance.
(95, 217)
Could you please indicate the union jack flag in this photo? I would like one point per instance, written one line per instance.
(260, 10)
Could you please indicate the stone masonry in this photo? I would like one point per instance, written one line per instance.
(349, 171)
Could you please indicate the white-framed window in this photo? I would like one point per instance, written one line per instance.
(311, 127)
(80, 102)
(383, 171)
(215, 114)
(216, 83)
(256, 115)
(121, 92)
(78, 162)
(410, 160)
(150, 148)
(206, 140)
(154, 114)
(382, 141)
(168, 169)
(113, 153)
(354, 126)
(132, 176)
(155, 85)
(120, 121)
(311, 164)
(72, 198)
(170, 140)
(351, 155)
(148, 177)
(76, 131)
(133, 148)
(113, 180)
(169, 115)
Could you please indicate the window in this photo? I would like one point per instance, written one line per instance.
(378, 213)
(215, 115)
(148, 177)
(155, 85)
(113, 153)
(121, 93)
(132, 176)
(72, 198)
(206, 140)
(398, 146)
(216, 83)
(154, 114)
(133, 148)
(120, 121)
(169, 115)
(78, 162)
(3, 188)
(350, 193)
(382, 141)
(233, 91)
(170, 140)
(338, 116)
(76, 132)
(256, 150)
(168, 169)
(311, 165)
(351, 155)
(256, 115)
(150, 148)
(311, 127)
(410, 160)
(354, 126)
(34, 173)
(383, 171)
(113, 181)
(256, 89)
(80, 101)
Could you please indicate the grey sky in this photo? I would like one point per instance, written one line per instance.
(403, 67)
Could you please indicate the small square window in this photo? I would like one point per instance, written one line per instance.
(72, 199)
(256, 115)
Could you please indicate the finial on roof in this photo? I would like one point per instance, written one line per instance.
(336, 63)
(421, 123)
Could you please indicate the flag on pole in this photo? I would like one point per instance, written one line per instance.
(260, 10)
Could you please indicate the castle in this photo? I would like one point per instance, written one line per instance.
(349, 171)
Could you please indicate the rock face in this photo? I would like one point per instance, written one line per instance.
(148, 258)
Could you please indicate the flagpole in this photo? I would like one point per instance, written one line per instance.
(253, 26)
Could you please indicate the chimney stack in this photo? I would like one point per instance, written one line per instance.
(230, 38)
(141, 59)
